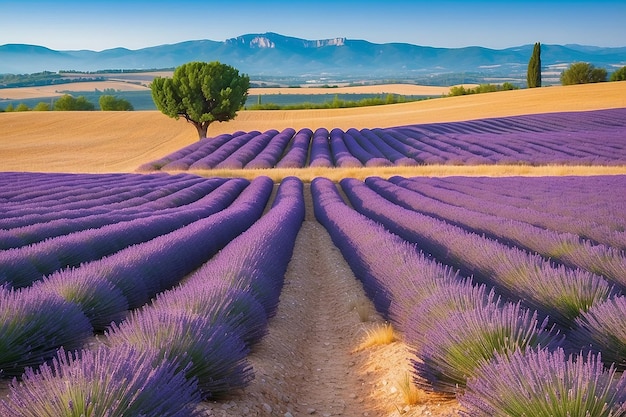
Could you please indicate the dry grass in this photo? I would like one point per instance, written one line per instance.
(402, 89)
(336, 174)
(377, 335)
(98, 142)
(410, 393)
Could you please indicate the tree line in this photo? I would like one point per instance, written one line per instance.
(68, 102)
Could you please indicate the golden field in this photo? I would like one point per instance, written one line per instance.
(99, 142)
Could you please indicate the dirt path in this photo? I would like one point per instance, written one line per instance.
(309, 363)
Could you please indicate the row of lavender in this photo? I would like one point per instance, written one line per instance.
(589, 207)
(188, 343)
(566, 248)
(89, 297)
(535, 347)
(584, 138)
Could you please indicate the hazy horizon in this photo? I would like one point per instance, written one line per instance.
(100, 25)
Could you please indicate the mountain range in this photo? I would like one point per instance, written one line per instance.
(272, 54)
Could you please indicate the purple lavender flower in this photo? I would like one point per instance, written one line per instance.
(212, 353)
(123, 381)
(454, 348)
(543, 383)
(34, 324)
(602, 328)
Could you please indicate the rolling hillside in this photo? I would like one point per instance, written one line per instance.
(121, 141)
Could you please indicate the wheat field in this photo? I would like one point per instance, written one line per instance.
(99, 142)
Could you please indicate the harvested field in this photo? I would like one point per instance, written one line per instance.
(120, 142)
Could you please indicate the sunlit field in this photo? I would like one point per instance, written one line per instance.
(443, 257)
(92, 142)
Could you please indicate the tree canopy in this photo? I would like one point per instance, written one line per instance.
(582, 73)
(202, 93)
(619, 75)
(533, 75)
(69, 103)
(111, 103)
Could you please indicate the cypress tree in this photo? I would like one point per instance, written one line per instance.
(533, 76)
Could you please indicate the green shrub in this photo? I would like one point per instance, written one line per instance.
(69, 103)
(582, 73)
(619, 75)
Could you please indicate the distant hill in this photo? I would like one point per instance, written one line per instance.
(271, 54)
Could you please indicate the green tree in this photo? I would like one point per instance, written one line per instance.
(619, 75)
(112, 103)
(202, 93)
(69, 103)
(22, 107)
(582, 73)
(533, 75)
(9, 108)
(42, 106)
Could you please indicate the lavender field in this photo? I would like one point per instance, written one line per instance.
(565, 138)
(146, 294)
(482, 312)
(169, 281)
(176, 275)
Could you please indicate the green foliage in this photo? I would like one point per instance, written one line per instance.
(42, 106)
(69, 103)
(533, 75)
(482, 88)
(582, 73)
(336, 103)
(112, 103)
(202, 93)
(40, 78)
(22, 107)
(9, 108)
(619, 75)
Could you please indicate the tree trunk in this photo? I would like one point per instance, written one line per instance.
(202, 128)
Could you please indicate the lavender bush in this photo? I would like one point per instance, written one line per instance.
(247, 151)
(99, 300)
(602, 328)
(219, 302)
(123, 381)
(272, 153)
(321, 155)
(296, 155)
(449, 298)
(568, 138)
(495, 221)
(34, 324)
(454, 348)
(544, 383)
(340, 152)
(394, 273)
(212, 353)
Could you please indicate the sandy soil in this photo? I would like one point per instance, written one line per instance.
(121, 141)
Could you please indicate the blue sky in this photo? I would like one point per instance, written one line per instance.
(98, 25)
